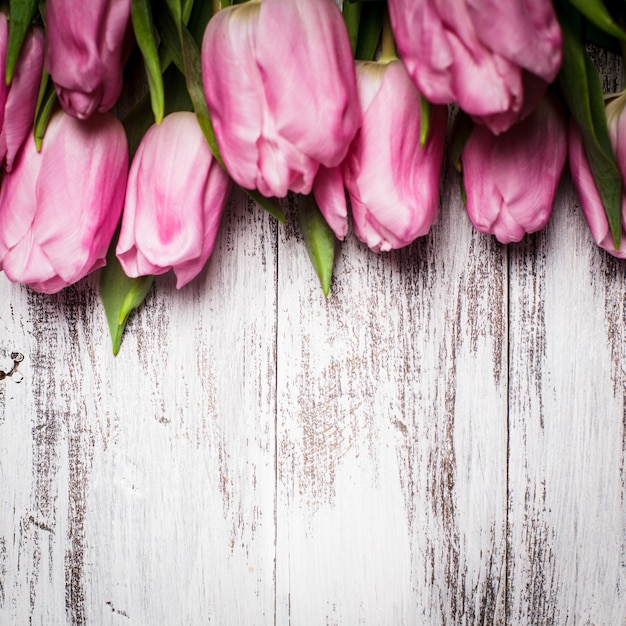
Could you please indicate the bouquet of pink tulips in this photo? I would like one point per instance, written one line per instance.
(346, 106)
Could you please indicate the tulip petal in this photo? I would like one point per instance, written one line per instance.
(18, 199)
(85, 54)
(497, 171)
(22, 98)
(526, 32)
(590, 201)
(330, 196)
(392, 182)
(71, 215)
(317, 86)
(27, 263)
(175, 197)
(233, 89)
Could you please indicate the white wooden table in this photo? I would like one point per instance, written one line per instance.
(441, 441)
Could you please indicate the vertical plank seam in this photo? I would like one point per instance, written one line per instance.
(508, 436)
(276, 352)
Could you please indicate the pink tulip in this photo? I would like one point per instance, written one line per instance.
(483, 54)
(511, 179)
(174, 201)
(583, 180)
(279, 82)
(87, 45)
(392, 183)
(59, 207)
(19, 99)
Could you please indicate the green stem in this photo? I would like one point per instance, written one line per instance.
(389, 45)
(622, 45)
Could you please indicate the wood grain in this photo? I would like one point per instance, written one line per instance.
(441, 441)
(141, 488)
(392, 432)
(567, 509)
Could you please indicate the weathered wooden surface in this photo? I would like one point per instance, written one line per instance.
(441, 441)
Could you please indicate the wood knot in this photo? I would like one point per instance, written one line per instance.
(17, 377)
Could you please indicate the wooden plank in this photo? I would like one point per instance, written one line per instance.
(567, 508)
(392, 432)
(141, 488)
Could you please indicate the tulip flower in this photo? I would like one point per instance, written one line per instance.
(59, 207)
(19, 99)
(174, 201)
(483, 54)
(583, 180)
(279, 82)
(511, 179)
(392, 182)
(86, 48)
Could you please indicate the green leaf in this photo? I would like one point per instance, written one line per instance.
(120, 295)
(597, 13)
(201, 13)
(269, 204)
(461, 130)
(370, 30)
(141, 15)
(580, 87)
(352, 16)
(319, 239)
(140, 117)
(21, 14)
(45, 106)
(425, 111)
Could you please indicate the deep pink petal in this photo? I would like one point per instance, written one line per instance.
(497, 171)
(590, 200)
(526, 32)
(86, 47)
(22, 97)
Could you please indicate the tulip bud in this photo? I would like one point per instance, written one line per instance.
(510, 179)
(478, 53)
(582, 177)
(86, 48)
(280, 86)
(174, 201)
(19, 99)
(392, 182)
(59, 207)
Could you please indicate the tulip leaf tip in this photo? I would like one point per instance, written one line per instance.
(319, 239)
(120, 295)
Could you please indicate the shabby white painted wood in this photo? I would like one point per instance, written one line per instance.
(441, 441)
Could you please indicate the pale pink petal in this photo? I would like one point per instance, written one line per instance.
(330, 196)
(392, 182)
(233, 89)
(80, 191)
(175, 198)
(312, 97)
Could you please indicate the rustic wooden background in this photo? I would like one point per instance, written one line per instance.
(441, 441)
